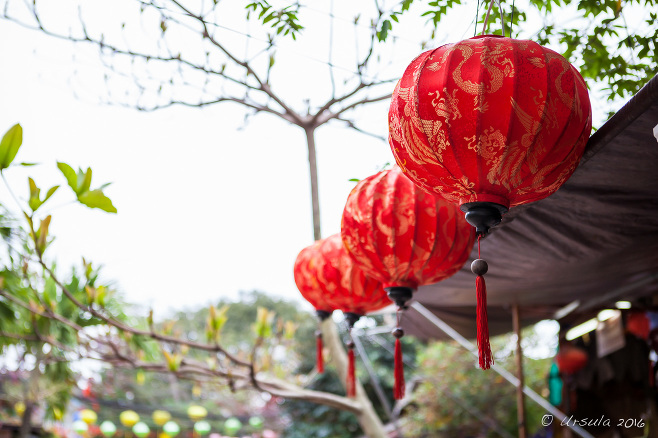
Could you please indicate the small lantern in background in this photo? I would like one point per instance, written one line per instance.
(171, 428)
(128, 418)
(342, 285)
(108, 429)
(202, 428)
(161, 417)
(141, 430)
(571, 359)
(88, 416)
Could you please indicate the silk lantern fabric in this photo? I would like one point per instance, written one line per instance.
(327, 278)
(401, 235)
(490, 119)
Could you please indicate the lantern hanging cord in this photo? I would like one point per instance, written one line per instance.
(351, 368)
(477, 14)
(486, 19)
(399, 387)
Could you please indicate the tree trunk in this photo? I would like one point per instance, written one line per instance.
(369, 421)
(175, 390)
(313, 169)
(26, 423)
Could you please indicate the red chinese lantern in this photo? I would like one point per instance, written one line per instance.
(489, 123)
(403, 236)
(330, 280)
(571, 359)
(307, 283)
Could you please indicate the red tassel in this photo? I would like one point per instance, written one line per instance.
(484, 349)
(351, 380)
(399, 386)
(319, 360)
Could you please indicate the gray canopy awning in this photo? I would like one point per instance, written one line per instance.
(595, 240)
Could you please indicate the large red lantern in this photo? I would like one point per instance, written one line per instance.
(329, 279)
(404, 237)
(489, 123)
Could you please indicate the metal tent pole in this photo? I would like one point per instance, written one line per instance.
(440, 324)
(373, 377)
(520, 400)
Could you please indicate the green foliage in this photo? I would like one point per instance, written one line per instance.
(35, 200)
(44, 340)
(284, 20)
(80, 183)
(439, 8)
(593, 35)
(450, 402)
(241, 311)
(40, 324)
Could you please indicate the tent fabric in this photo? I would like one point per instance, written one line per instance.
(595, 240)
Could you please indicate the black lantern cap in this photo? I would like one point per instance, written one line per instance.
(483, 215)
(399, 295)
(351, 318)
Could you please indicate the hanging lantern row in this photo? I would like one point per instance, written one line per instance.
(161, 418)
(481, 125)
(328, 278)
(392, 233)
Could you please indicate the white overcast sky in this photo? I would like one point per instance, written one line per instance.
(205, 209)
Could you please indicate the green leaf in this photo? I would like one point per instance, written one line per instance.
(383, 32)
(28, 164)
(70, 175)
(41, 241)
(9, 145)
(35, 195)
(50, 293)
(97, 199)
(85, 185)
(34, 202)
(51, 192)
